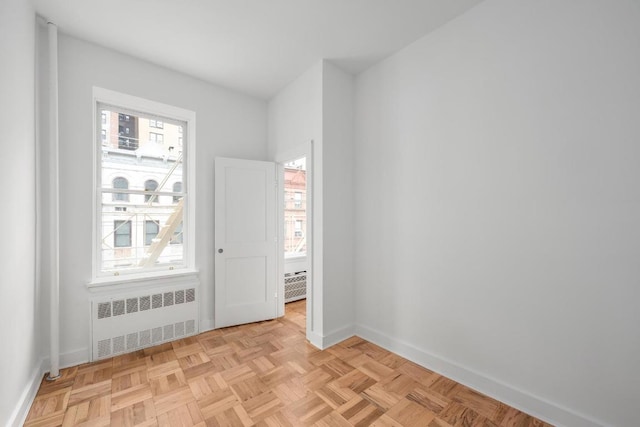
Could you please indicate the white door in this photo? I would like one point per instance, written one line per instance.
(245, 241)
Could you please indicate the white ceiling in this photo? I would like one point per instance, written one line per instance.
(254, 46)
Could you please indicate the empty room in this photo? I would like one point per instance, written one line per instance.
(320, 212)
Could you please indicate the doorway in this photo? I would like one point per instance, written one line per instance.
(294, 198)
(295, 216)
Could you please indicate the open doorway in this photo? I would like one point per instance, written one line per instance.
(295, 236)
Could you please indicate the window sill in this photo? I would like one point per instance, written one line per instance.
(128, 281)
(294, 258)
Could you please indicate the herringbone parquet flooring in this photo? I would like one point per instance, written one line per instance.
(264, 374)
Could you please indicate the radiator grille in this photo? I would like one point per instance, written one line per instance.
(156, 301)
(132, 305)
(104, 310)
(295, 286)
(118, 308)
(130, 323)
(179, 297)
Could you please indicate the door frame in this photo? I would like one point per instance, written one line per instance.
(313, 303)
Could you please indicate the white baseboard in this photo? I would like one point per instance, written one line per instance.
(315, 339)
(338, 335)
(72, 358)
(519, 399)
(206, 325)
(21, 410)
(326, 341)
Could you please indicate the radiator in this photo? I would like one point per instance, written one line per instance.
(125, 323)
(295, 286)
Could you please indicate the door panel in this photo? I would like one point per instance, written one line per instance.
(245, 241)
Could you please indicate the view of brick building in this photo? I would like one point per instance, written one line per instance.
(295, 214)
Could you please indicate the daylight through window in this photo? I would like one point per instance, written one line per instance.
(295, 208)
(141, 176)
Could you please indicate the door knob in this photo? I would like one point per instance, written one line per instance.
(220, 250)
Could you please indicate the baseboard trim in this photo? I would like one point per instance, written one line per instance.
(206, 325)
(338, 335)
(332, 338)
(526, 402)
(19, 415)
(315, 340)
(72, 358)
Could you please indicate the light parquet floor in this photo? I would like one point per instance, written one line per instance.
(264, 374)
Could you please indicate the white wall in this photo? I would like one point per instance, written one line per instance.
(227, 124)
(294, 119)
(295, 113)
(318, 106)
(497, 204)
(337, 140)
(20, 359)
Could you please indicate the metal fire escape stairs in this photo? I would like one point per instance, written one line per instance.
(167, 230)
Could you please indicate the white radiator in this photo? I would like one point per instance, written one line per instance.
(125, 323)
(295, 286)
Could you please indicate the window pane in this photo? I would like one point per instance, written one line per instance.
(121, 234)
(177, 188)
(142, 157)
(127, 154)
(150, 231)
(121, 184)
(177, 236)
(128, 233)
(150, 185)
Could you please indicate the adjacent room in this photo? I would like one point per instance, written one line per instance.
(330, 213)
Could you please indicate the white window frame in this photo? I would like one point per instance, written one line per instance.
(149, 108)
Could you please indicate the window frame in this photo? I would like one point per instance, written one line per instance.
(133, 105)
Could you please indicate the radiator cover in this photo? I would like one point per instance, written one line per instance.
(295, 286)
(128, 322)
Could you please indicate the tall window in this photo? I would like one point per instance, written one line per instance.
(156, 188)
(121, 234)
(151, 229)
(150, 185)
(177, 188)
(121, 184)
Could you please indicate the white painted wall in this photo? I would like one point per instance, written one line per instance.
(295, 113)
(318, 106)
(20, 359)
(294, 119)
(497, 201)
(337, 140)
(227, 124)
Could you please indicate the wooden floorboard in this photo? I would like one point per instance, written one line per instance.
(264, 374)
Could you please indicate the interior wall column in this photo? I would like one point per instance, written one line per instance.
(54, 321)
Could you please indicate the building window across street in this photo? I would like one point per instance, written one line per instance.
(121, 234)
